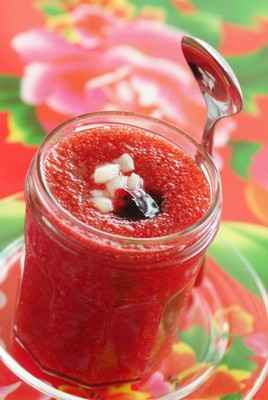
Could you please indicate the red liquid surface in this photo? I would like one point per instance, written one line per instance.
(98, 312)
(167, 172)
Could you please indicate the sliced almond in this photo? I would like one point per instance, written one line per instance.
(126, 163)
(106, 172)
(119, 182)
(98, 193)
(134, 181)
(103, 204)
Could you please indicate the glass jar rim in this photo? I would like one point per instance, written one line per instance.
(51, 202)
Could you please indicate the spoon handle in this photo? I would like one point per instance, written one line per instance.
(208, 135)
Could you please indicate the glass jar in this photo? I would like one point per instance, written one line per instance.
(99, 308)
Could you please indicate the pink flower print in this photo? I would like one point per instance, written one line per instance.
(121, 65)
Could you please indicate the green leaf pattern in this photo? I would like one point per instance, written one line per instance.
(239, 356)
(24, 124)
(11, 218)
(242, 153)
(247, 246)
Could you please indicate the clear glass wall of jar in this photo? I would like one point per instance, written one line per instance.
(99, 308)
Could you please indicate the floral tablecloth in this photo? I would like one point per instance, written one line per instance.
(61, 58)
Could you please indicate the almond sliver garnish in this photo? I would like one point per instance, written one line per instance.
(103, 204)
(106, 172)
(126, 163)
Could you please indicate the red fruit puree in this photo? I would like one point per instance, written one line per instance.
(93, 307)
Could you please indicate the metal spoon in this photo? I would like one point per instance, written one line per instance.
(217, 81)
(222, 94)
(145, 203)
